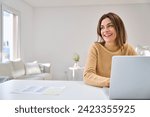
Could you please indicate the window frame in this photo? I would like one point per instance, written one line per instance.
(17, 53)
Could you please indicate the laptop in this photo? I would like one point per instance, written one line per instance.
(130, 78)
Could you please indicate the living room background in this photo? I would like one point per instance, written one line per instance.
(54, 34)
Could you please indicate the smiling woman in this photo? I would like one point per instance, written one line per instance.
(108, 33)
(111, 42)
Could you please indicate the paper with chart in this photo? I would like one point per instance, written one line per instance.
(44, 90)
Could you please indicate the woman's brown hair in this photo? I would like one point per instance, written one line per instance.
(118, 25)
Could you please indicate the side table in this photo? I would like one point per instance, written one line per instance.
(74, 69)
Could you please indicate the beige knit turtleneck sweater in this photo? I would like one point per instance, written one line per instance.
(98, 66)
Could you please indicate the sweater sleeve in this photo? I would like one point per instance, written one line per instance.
(90, 77)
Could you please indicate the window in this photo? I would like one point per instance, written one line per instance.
(10, 34)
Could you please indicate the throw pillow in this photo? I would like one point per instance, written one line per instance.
(18, 68)
(6, 69)
(32, 68)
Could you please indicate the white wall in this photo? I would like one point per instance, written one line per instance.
(61, 31)
(26, 13)
(55, 34)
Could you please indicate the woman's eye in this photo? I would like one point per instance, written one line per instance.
(102, 27)
(110, 25)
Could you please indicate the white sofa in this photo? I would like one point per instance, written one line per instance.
(20, 70)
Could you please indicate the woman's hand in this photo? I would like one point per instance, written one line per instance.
(107, 84)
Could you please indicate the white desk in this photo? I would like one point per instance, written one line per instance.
(73, 90)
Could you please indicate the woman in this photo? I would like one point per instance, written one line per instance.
(111, 41)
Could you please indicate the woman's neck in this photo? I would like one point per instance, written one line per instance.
(111, 47)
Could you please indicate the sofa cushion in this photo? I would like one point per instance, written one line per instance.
(6, 69)
(30, 77)
(32, 68)
(18, 68)
(40, 76)
(44, 76)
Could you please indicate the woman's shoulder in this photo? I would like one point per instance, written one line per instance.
(97, 45)
(128, 46)
(130, 49)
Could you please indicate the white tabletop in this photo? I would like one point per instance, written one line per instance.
(62, 90)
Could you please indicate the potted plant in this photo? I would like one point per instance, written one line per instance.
(76, 58)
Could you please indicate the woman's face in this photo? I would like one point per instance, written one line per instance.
(108, 31)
